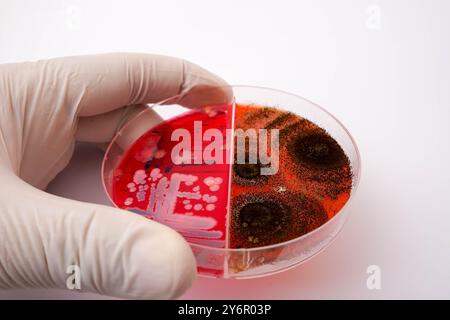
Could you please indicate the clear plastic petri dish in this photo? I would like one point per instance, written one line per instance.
(257, 180)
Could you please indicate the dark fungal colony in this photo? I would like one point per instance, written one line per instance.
(312, 184)
(260, 219)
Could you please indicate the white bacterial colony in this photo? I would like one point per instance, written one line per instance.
(163, 195)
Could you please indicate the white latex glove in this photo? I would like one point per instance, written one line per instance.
(45, 106)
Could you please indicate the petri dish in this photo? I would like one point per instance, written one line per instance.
(257, 180)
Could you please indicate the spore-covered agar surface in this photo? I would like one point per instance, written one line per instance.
(223, 204)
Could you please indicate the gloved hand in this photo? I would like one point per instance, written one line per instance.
(45, 106)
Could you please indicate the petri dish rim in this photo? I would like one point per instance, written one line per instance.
(356, 174)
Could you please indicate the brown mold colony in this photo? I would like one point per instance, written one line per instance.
(248, 174)
(313, 182)
(264, 219)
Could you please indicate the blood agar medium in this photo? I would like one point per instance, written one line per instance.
(254, 186)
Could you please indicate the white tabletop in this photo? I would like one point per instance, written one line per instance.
(382, 67)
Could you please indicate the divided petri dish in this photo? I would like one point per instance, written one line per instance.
(256, 180)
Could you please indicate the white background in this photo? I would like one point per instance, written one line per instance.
(382, 67)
